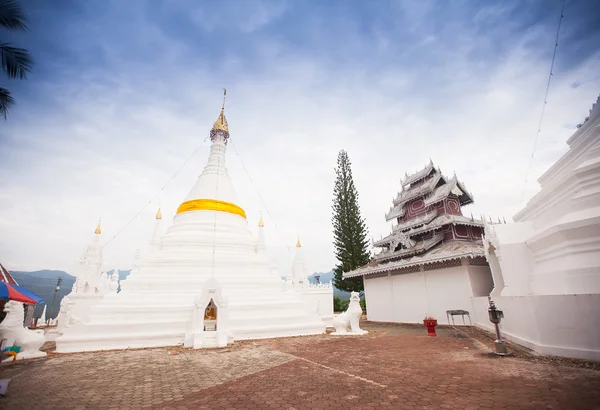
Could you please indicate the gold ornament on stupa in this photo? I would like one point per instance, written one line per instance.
(261, 223)
(298, 244)
(159, 214)
(220, 125)
(98, 230)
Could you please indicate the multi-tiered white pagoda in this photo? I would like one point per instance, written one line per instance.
(205, 283)
(433, 260)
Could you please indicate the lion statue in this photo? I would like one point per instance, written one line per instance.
(16, 334)
(350, 318)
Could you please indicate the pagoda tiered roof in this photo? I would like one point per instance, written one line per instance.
(445, 252)
(415, 222)
(425, 234)
(424, 227)
(420, 190)
(417, 176)
(420, 247)
(431, 192)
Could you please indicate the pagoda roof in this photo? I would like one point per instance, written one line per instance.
(422, 226)
(420, 247)
(411, 179)
(6, 277)
(445, 190)
(451, 186)
(446, 251)
(418, 191)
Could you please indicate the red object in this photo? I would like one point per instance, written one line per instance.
(431, 324)
(18, 294)
(6, 277)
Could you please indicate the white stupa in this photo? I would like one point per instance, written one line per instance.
(206, 282)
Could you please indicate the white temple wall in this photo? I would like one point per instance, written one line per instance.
(320, 301)
(497, 277)
(516, 262)
(379, 299)
(408, 298)
(481, 280)
(558, 325)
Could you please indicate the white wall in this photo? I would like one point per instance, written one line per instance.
(481, 280)
(320, 300)
(408, 298)
(560, 325)
(379, 300)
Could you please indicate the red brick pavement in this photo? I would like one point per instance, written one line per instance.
(391, 367)
(410, 372)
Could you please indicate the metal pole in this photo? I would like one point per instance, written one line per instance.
(59, 280)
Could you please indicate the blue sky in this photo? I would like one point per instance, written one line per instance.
(122, 93)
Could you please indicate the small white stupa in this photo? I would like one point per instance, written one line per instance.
(299, 271)
(205, 283)
(42, 321)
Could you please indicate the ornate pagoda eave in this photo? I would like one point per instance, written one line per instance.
(445, 252)
(419, 247)
(412, 193)
(417, 176)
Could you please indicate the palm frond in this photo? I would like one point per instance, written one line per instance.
(6, 101)
(11, 15)
(16, 62)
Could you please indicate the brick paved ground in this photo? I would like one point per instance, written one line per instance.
(394, 366)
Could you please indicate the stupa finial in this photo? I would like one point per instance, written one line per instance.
(98, 230)
(261, 223)
(159, 214)
(220, 125)
(298, 244)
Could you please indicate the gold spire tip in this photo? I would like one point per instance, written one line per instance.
(159, 214)
(98, 230)
(298, 244)
(221, 122)
(261, 223)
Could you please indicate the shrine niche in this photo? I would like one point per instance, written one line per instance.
(209, 326)
(210, 316)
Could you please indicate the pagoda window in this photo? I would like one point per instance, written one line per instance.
(210, 316)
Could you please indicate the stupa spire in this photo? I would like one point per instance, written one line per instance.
(298, 244)
(98, 230)
(159, 214)
(213, 190)
(261, 223)
(220, 126)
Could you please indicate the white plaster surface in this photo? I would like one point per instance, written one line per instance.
(558, 325)
(155, 306)
(408, 298)
(546, 266)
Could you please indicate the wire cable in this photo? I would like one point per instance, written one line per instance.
(259, 195)
(539, 128)
(155, 196)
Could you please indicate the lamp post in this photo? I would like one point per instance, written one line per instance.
(59, 280)
(496, 316)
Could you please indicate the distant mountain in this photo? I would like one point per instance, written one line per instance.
(42, 283)
(326, 277)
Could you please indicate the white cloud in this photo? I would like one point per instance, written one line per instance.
(115, 138)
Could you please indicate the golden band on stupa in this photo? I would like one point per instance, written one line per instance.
(211, 205)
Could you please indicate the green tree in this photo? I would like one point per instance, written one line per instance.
(16, 62)
(349, 229)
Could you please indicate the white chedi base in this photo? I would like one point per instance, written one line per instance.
(16, 334)
(160, 303)
(347, 323)
(156, 304)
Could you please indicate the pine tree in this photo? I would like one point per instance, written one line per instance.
(349, 229)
